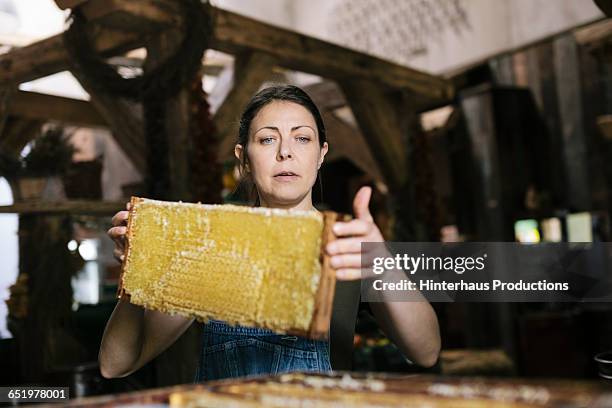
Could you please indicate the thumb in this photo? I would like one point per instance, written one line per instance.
(361, 203)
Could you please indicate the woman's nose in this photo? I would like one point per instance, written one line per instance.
(284, 152)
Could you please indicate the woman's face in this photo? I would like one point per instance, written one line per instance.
(284, 154)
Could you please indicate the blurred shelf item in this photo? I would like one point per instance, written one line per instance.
(70, 206)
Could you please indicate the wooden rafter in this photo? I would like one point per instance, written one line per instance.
(235, 34)
(326, 95)
(32, 105)
(359, 74)
(49, 56)
(177, 116)
(17, 134)
(73, 207)
(141, 16)
(66, 4)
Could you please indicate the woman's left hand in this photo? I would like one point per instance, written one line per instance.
(345, 252)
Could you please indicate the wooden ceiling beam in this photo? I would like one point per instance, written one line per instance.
(66, 4)
(326, 95)
(32, 105)
(236, 34)
(17, 134)
(49, 56)
(140, 16)
(120, 26)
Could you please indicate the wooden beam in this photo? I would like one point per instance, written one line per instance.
(6, 93)
(378, 119)
(596, 32)
(84, 207)
(32, 105)
(17, 134)
(141, 16)
(66, 4)
(234, 33)
(237, 34)
(49, 56)
(128, 22)
(250, 71)
(571, 113)
(326, 95)
(177, 120)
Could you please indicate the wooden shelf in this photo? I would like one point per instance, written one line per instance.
(86, 207)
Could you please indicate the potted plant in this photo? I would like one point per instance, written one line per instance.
(39, 172)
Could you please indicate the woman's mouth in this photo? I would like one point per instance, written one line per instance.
(285, 176)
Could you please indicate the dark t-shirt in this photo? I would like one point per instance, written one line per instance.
(342, 330)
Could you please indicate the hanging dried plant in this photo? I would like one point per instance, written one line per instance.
(50, 154)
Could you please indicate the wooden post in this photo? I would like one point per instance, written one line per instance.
(378, 119)
(32, 105)
(176, 118)
(575, 152)
(177, 364)
(46, 260)
(483, 165)
(542, 81)
(5, 95)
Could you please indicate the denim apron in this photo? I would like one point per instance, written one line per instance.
(237, 351)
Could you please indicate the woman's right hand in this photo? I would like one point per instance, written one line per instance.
(118, 232)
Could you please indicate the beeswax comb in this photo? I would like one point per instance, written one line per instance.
(252, 266)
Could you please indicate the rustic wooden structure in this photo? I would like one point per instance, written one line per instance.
(119, 26)
(376, 91)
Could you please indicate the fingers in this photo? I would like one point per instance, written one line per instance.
(353, 227)
(118, 254)
(120, 218)
(361, 203)
(348, 274)
(116, 233)
(346, 261)
(344, 245)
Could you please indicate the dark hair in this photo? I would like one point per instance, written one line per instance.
(288, 93)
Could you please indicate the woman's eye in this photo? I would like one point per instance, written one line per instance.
(303, 139)
(266, 140)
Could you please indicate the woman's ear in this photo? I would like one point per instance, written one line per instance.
(324, 150)
(238, 151)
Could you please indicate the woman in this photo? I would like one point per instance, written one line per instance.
(281, 146)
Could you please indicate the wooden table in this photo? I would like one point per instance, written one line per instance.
(368, 390)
